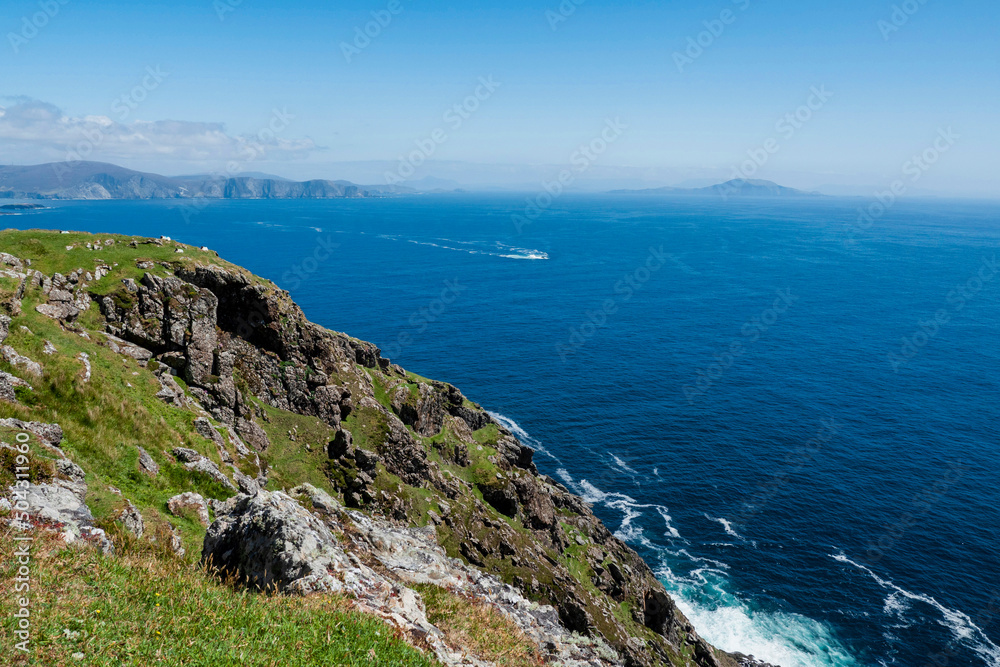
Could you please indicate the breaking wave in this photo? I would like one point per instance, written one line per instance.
(701, 586)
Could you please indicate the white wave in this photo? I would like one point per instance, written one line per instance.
(522, 435)
(671, 531)
(513, 252)
(656, 471)
(630, 508)
(728, 527)
(591, 493)
(958, 623)
(895, 605)
(539, 255)
(621, 464)
(701, 559)
(472, 251)
(626, 531)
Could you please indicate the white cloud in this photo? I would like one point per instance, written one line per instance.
(33, 131)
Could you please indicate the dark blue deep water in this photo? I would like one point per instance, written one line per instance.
(728, 383)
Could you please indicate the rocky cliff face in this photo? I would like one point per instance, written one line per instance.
(92, 180)
(401, 453)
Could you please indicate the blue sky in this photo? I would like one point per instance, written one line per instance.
(891, 91)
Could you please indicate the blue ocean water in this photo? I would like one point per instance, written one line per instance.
(793, 418)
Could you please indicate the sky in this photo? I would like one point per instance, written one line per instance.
(699, 92)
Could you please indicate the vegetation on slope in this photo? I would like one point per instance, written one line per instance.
(143, 607)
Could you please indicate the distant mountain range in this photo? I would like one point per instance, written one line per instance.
(98, 180)
(738, 187)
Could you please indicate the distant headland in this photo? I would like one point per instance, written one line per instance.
(99, 180)
(738, 187)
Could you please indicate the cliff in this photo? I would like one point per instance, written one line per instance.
(97, 180)
(173, 401)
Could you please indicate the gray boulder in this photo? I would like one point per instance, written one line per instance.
(197, 463)
(7, 389)
(270, 542)
(183, 502)
(59, 506)
(147, 464)
(20, 361)
(131, 519)
(125, 348)
(49, 434)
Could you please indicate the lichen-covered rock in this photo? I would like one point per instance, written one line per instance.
(171, 392)
(147, 464)
(125, 348)
(58, 506)
(60, 306)
(49, 434)
(272, 542)
(252, 434)
(131, 519)
(189, 502)
(168, 315)
(7, 389)
(20, 361)
(175, 544)
(195, 462)
(4, 327)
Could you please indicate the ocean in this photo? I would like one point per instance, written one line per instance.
(789, 410)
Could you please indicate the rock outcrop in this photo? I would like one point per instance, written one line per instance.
(271, 542)
(58, 504)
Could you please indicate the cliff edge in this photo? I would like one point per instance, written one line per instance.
(171, 398)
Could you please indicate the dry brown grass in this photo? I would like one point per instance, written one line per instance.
(482, 629)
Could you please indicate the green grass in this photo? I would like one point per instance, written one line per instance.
(141, 609)
(105, 420)
(368, 428)
(289, 462)
(48, 254)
